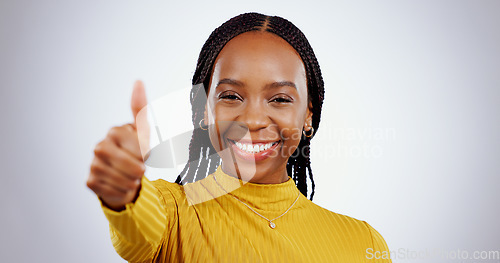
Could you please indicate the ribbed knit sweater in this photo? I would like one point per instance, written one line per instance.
(208, 221)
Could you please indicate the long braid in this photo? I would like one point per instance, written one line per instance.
(203, 159)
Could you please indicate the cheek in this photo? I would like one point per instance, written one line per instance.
(291, 134)
(223, 114)
(290, 125)
(290, 122)
(218, 111)
(291, 139)
(221, 120)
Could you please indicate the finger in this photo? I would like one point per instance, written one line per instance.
(109, 193)
(138, 105)
(112, 177)
(138, 100)
(101, 188)
(119, 159)
(126, 137)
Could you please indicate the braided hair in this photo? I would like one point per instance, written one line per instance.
(203, 158)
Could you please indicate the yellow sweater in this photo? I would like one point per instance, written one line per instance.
(199, 222)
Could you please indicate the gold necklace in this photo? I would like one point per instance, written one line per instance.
(271, 223)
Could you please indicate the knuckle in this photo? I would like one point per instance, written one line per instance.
(95, 167)
(116, 132)
(120, 158)
(128, 127)
(100, 148)
(139, 170)
(135, 176)
(131, 185)
(91, 183)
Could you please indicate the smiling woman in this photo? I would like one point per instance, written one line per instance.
(258, 83)
(242, 197)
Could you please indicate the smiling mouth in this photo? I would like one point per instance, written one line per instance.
(254, 150)
(254, 147)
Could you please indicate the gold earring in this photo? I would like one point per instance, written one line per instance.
(308, 135)
(201, 127)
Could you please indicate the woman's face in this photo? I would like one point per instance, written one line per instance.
(257, 106)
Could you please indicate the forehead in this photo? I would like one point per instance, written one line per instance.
(260, 54)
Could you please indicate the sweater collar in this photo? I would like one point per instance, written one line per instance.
(270, 197)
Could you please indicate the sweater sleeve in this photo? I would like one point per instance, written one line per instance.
(379, 252)
(137, 231)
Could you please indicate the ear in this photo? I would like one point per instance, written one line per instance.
(308, 120)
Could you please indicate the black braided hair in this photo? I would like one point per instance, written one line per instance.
(203, 158)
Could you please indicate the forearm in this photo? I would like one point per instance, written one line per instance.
(137, 230)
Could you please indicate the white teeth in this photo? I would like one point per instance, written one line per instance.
(254, 148)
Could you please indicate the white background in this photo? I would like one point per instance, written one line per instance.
(409, 139)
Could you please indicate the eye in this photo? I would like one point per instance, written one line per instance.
(229, 96)
(282, 99)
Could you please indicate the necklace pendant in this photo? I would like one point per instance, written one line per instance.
(272, 225)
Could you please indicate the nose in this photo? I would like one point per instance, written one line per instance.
(254, 116)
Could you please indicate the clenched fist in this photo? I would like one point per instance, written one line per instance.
(118, 165)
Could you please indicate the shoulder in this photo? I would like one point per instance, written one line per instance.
(165, 186)
(345, 233)
(340, 222)
(330, 215)
(188, 194)
(355, 228)
(168, 190)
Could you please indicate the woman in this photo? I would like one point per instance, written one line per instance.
(256, 98)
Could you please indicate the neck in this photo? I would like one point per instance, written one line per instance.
(270, 197)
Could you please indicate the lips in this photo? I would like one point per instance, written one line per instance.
(253, 150)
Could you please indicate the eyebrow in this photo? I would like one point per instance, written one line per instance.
(282, 84)
(230, 82)
(272, 85)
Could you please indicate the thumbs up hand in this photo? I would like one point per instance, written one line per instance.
(118, 165)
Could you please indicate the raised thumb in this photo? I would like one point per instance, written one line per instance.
(138, 100)
(138, 105)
